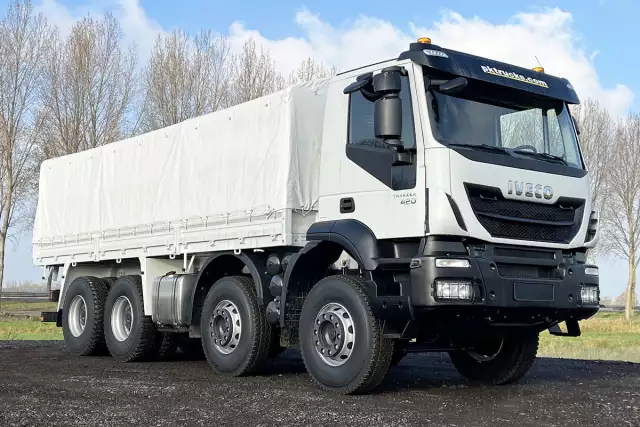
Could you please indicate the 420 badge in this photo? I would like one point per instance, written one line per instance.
(406, 198)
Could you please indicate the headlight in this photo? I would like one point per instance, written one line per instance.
(589, 295)
(452, 263)
(454, 289)
(591, 271)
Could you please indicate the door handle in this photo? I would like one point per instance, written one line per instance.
(347, 205)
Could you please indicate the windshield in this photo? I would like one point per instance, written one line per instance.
(499, 118)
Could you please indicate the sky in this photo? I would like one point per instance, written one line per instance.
(591, 42)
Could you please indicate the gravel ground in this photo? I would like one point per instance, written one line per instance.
(40, 384)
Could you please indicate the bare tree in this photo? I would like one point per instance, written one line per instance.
(254, 74)
(622, 216)
(185, 77)
(90, 88)
(24, 40)
(309, 70)
(597, 130)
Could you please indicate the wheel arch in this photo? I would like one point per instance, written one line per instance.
(229, 263)
(307, 267)
(353, 236)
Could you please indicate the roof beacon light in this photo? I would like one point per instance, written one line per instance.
(425, 40)
(538, 69)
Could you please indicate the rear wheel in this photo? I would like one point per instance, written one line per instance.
(83, 315)
(236, 336)
(340, 339)
(130, 335)
(497, 360)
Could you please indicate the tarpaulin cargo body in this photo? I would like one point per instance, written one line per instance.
(242, 177)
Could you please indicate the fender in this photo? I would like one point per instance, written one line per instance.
(356, 238)
(231, 263)
(307, 266)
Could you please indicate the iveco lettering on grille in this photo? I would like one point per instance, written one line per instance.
(530, 190)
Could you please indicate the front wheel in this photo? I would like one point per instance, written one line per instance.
(340, 339)
(236, 336)
(497, 360)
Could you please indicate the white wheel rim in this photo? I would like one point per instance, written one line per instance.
(334, 334)
(77, 316)
(122, 318)
(225, 327)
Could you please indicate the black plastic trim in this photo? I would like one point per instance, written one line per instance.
(456, 213)
(355, 237)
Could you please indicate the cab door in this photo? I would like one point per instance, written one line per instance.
(359, 180)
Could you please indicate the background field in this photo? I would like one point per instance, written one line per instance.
(607, 336)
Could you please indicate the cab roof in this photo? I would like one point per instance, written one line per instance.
(461, 64)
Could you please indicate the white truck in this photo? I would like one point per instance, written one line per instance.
(437, 201)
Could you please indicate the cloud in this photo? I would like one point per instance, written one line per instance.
(547, 34)
(137, 28)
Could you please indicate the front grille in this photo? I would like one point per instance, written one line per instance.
(515, 219)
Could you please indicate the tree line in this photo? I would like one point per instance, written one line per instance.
(611, 151)
(60, 94)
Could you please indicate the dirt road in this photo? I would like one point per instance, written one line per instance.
(40, 384)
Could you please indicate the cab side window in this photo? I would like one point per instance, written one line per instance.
(373, 154)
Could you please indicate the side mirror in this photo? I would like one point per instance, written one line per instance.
(387, 122)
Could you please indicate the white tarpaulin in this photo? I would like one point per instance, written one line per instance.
(262, 155)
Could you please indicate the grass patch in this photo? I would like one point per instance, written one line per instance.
(28, 329)
(607, 336)
(13, 306)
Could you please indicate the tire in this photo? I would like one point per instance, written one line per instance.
(399, 351)
(354, 369)
(511, 362)
(141, 341)
(231, 310)
(109, 281)
(82, 327)
(191, 347)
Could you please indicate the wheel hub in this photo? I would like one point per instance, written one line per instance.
(334, 334)
(225, 327)
(122, 318)
(77, 316)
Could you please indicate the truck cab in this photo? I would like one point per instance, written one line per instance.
(459, 186)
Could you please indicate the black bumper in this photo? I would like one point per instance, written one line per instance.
(507, 277)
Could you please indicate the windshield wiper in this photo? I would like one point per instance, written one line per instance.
(485, 147)
(546, 156)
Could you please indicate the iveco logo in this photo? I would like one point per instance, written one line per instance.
(530, 190)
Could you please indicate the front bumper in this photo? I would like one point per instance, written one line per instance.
(507, 277)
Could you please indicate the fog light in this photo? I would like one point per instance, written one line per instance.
(589, 295)
(591, 271)
(454, 290)
(452, 263)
